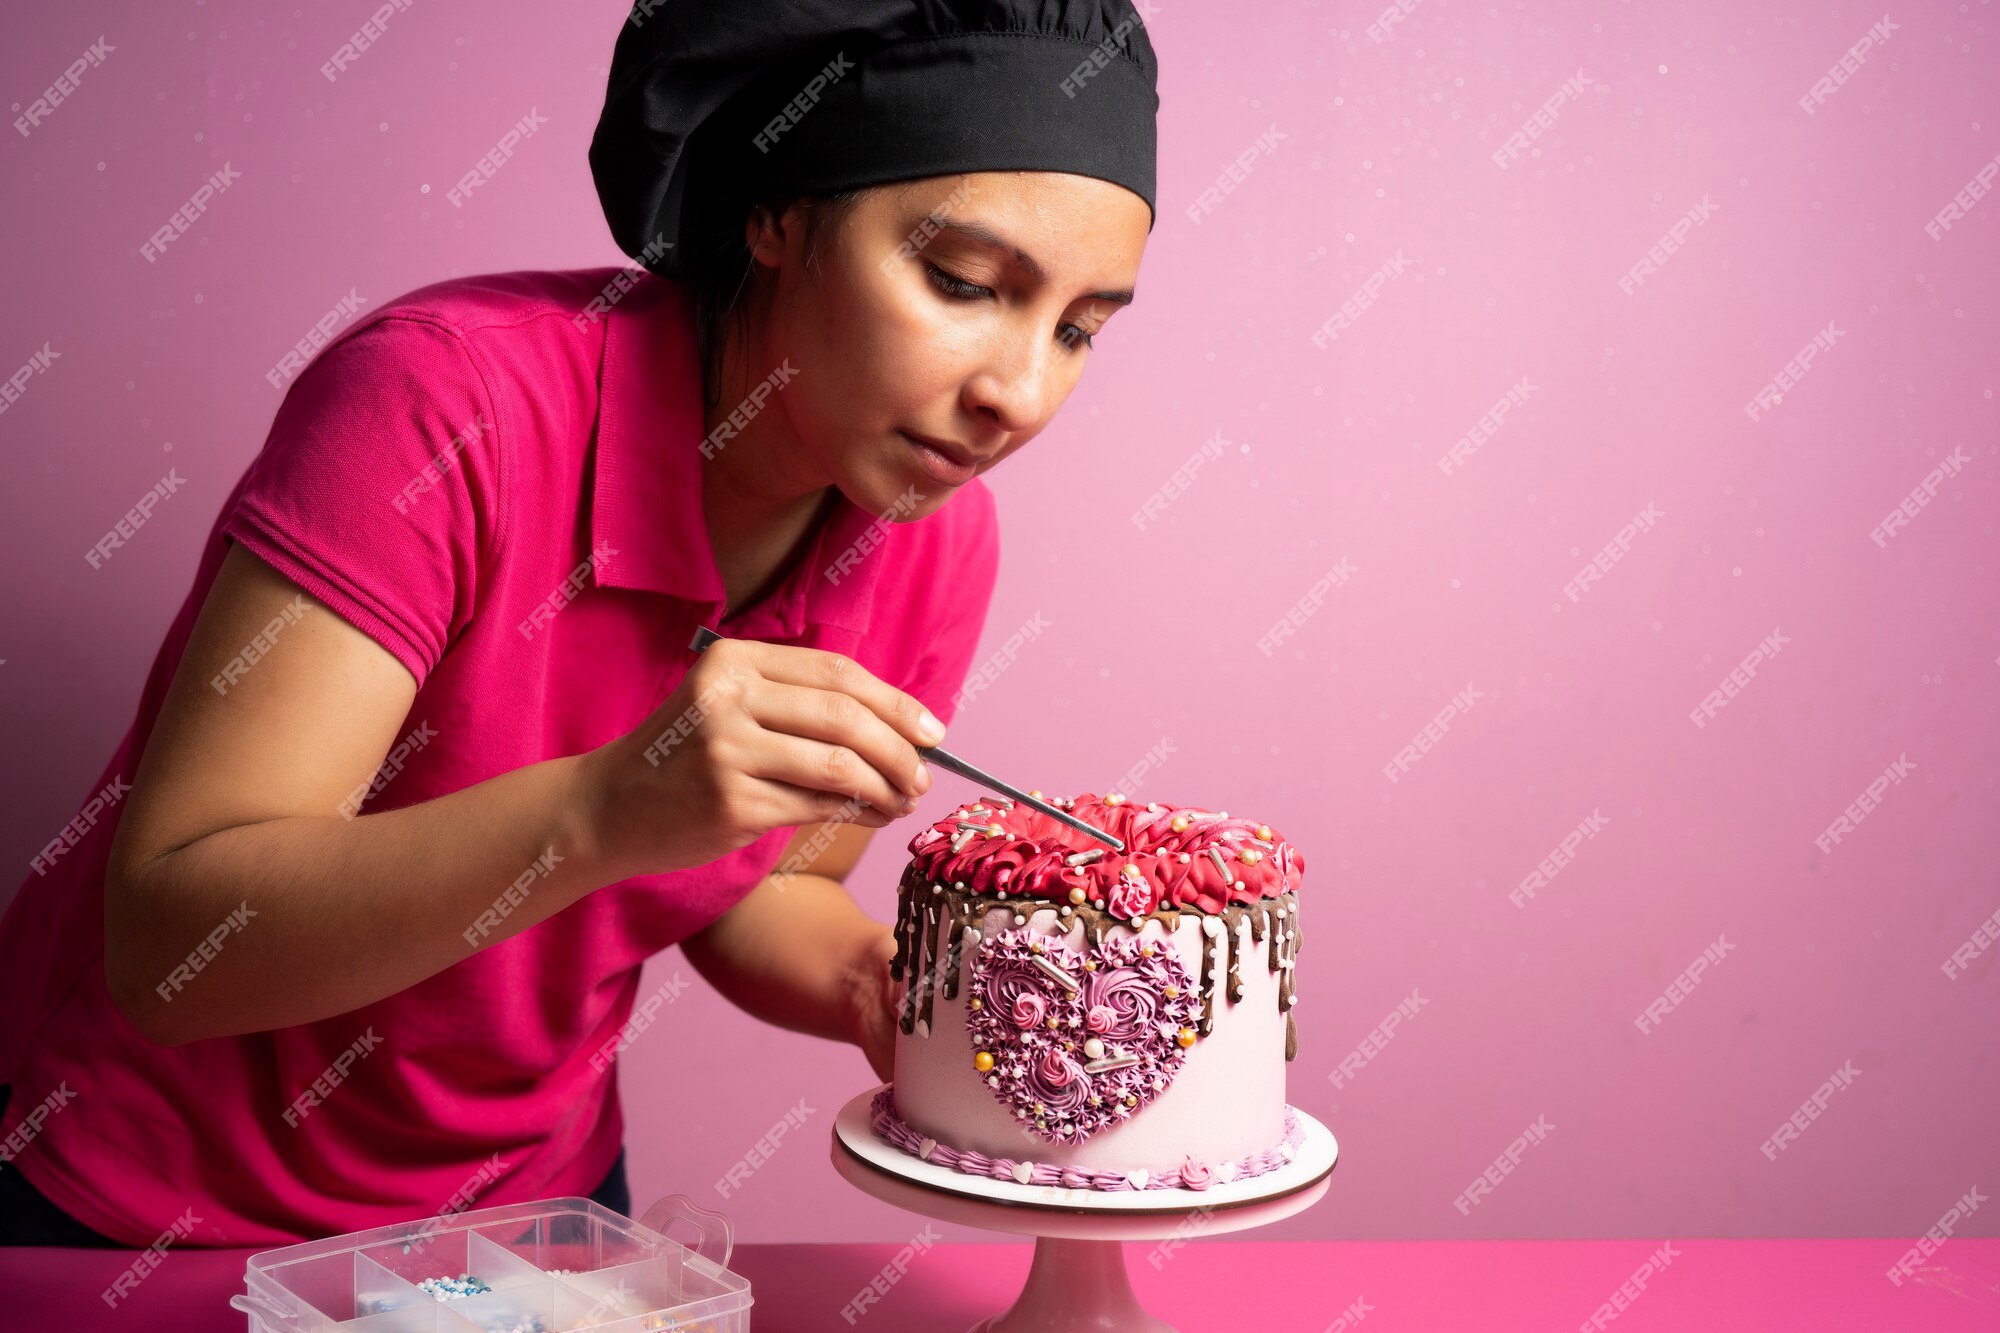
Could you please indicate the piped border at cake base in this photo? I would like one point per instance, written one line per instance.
(1190, 1177)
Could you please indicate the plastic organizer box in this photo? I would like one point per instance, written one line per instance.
(554, 1264)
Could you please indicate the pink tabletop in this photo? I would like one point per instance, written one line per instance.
(1210, 1286)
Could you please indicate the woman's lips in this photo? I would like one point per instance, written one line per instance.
(941, 466)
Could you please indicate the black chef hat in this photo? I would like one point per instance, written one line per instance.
(716, 104)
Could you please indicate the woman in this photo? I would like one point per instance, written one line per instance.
(425, 769)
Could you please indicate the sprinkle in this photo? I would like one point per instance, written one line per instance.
(1083, 858)
(1110, 1063)
(959, 839)
(1216, 854)
(1063, 979)
(451, 1288)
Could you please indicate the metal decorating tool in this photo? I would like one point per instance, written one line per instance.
(704, 636)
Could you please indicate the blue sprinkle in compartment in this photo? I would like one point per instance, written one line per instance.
(542, 1267)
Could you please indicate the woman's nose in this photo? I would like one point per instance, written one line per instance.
(1013, 389)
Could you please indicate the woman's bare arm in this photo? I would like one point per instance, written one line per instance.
(239, 898)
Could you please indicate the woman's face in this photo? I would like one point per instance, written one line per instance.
(958, 309)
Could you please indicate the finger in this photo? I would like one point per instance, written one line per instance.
(834, 770)
(818, 669)
(796, 806)
(839, 719)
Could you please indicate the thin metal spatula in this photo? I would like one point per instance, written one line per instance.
(704, 636)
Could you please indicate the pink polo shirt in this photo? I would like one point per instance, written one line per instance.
(499, 482)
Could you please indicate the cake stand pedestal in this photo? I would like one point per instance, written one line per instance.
(1077, 1281)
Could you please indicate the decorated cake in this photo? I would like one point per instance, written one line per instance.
(1076, 1016)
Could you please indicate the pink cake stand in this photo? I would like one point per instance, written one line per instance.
(1077, 1281)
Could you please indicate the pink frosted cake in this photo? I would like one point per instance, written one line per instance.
(1081, 1017)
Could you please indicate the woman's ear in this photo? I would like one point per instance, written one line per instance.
(764, 235)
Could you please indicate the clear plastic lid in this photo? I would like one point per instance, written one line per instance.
(546, 1266)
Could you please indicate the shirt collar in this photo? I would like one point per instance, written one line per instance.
(646, 499)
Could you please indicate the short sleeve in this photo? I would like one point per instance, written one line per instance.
(379, 488)
(972, 567)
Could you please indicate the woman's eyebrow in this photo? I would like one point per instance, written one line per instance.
(985, 235)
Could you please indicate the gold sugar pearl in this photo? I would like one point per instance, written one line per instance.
(1035, 946)
(1054, 1024)
(1249, 856)
(1131, 1099)
(983, 1061)
(1113, 798)
(1264, 832)
(1185, 1037)
(975, 1004)
(1077, 895)
(1172, 992)
(1180, 823)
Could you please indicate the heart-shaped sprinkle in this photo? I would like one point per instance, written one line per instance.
(924, 1149)
(1034, 1002)
(1225, 1172)
(1023, 1171)
(1139, 1177)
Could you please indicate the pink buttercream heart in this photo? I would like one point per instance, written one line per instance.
(1134, 1003)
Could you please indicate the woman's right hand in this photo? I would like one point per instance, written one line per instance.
(757, 736)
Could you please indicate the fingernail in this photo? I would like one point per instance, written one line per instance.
(923, 776)
(930, 727)
(910, 806)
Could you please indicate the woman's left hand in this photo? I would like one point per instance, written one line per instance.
(874, 1005)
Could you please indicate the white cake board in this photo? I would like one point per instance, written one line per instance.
(1078, 1280)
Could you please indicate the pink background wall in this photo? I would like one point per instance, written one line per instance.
(1332, 453)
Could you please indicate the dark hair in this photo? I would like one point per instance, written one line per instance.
(719, 281)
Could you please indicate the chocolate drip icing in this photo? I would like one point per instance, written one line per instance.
(923, 908)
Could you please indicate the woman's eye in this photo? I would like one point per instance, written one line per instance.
(1072, 334)
(955, 286)
(1069, 335)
